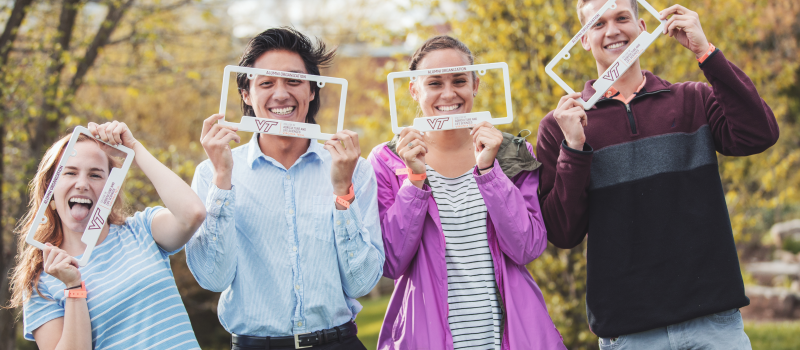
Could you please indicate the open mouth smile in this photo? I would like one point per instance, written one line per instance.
(282, 110)
(448, 108)
(79, 207)
(615, 45)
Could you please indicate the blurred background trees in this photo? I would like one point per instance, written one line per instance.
(157, 65)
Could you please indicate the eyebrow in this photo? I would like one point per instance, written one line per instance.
(92, 169)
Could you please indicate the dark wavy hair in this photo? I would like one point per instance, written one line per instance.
(314, 53)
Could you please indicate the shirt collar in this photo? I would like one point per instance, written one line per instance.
(254, 151)
(615, 94)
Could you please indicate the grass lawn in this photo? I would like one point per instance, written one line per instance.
(763, 335)
(774, 335)
(369, 320)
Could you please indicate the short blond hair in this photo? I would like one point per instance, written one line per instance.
(582, 3)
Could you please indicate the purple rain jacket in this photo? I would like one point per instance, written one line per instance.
(415, 252)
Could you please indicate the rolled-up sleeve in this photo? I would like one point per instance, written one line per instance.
(359, 243)
(209, 254)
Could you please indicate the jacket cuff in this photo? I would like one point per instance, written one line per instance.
(587, 150)
(488, 177)
(710, 58)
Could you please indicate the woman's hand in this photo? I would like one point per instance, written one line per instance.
(345, 151)
(114, 133)
(486, 142)
(215, 139)
(412, 149)
(59, 264)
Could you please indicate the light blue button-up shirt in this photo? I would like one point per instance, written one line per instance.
(285, 259)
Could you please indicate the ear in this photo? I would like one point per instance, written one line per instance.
(642, 25)
(476, 85)
(313, 95)
(585, 43)
(412, 90)
(246, 97)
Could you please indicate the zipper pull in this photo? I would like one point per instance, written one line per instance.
(628, 107)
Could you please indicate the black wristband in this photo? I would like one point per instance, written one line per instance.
(76, 287)
(484, 169)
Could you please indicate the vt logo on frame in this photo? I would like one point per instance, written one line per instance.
(97, 220)
(437, 123)
(265, 125)
(613, 73)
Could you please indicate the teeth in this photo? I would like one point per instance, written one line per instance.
(614, 46)
(80, 200)
(282, 111)
(447, 108)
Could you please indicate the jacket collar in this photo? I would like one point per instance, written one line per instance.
(513, 155)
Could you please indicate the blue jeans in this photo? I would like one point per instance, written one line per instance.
(723, 330)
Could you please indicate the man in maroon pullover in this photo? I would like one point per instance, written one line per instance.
(663, 271)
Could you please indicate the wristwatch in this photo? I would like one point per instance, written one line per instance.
(345, 200)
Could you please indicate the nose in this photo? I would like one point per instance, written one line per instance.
(449, 91)
(280, 92)
(612, 29)
(82, 183)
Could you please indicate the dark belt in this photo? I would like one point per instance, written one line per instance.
(298, 341)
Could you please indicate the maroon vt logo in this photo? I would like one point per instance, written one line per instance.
(613, 73)
(97, 220)
(437, 123)
(265, 125)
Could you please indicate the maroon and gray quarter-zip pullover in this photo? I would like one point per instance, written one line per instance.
(648, 189)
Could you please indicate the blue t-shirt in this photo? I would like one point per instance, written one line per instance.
(132, 297)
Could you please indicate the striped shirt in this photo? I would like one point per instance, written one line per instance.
(475, 315)
(132, 297)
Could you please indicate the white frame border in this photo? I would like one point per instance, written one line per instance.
(284, 128)
(456, 121)
(620, 65)
(100, 211)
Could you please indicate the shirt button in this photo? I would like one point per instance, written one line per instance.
(338, 222)
(299, 323)
(347, 222)
(288, 177)
(214, 238)
(294, 249)
(351, 255)
(297, 287)
(291, 212)
(219, 202)
(227, 203)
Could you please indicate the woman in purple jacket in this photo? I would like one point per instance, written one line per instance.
(460, 222)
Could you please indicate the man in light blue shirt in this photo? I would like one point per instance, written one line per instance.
(289, 257)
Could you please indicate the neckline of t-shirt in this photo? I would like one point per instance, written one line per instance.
(428, 167)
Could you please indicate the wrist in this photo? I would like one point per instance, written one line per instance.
(222, 181)
(703, 51)
(575, 145)
(341, 189)
(73, 284)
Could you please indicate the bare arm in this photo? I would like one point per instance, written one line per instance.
(173, 227)
(76, 332)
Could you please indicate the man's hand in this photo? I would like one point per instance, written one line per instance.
(571, 117)
(412, 149)
(345, 151)
(486, 142)
(114, 133)
(215, 139)
(684, 25)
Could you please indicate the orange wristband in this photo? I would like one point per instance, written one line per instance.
(411, 175)
(345, 200)
(76, 293)
(711, 49)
